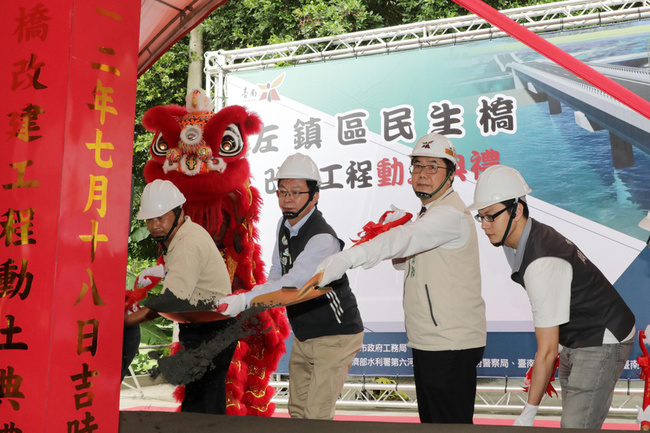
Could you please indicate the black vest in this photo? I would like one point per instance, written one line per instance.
(335, 313)
(595, 303)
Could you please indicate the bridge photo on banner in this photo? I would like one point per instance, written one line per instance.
(585, 156)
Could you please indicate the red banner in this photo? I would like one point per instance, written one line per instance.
(68, 79)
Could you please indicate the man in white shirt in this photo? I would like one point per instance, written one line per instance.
(443, 308)
(573, 304)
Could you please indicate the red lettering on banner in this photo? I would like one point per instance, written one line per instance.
(32, 23)
(27, 74)
(10, 387)
(390, 173)
(102, 99)
(98, 146)
(16, 229)
(97, 299)
(97, 191)
(11, 282)
(9, 332)
(483, 160)
(83, 334)
(93, 238)
(85, 425)
(104, 67)
(22, 124)
(21, 167)
(84, 399)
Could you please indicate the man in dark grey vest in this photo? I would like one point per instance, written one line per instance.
(573, 303)
(328, 331)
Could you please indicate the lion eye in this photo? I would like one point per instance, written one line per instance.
(159, 146)
(228, 144)
(231, 143)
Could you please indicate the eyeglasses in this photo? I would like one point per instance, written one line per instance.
(489, 218)
(428, 169)
(293, 194)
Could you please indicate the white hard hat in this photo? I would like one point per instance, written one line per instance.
(158, 198)
(435, 146)
(298, 166)
(496, 184)
(645, 223)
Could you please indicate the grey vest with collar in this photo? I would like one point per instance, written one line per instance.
(595, 303)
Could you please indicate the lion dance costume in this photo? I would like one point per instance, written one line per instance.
(204, 154)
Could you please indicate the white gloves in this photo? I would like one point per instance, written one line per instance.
(394, 215)
(643, 415)
(232, 305)
(155, 271)
(527, 415)
(334, 266)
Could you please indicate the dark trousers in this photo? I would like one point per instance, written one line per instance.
(208, 393)
(130, 345)
(445, 384)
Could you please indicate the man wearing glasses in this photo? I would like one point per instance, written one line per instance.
(443, 308)
(573, 303)
(328, 332)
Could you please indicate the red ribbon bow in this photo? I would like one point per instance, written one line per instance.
(550, 390)
(133, 297)
(371, 229)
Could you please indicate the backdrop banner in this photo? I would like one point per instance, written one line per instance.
(585, 156)
(68, 81)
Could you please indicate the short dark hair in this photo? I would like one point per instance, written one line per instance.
(313, 187)
(510, 205)
(451, 169)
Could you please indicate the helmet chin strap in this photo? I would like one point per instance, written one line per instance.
(292, 215)
(426, 195)
(513, 213)
(162, 239)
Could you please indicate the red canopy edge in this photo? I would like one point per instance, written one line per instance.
(165, 22)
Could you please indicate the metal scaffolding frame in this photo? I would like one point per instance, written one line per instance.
(490, 398)
(540, 18)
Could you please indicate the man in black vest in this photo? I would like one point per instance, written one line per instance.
(573, 303)
(328, 332)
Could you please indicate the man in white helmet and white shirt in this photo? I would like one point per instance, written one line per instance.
(443, 308)
(572, 302)
(328, 332)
